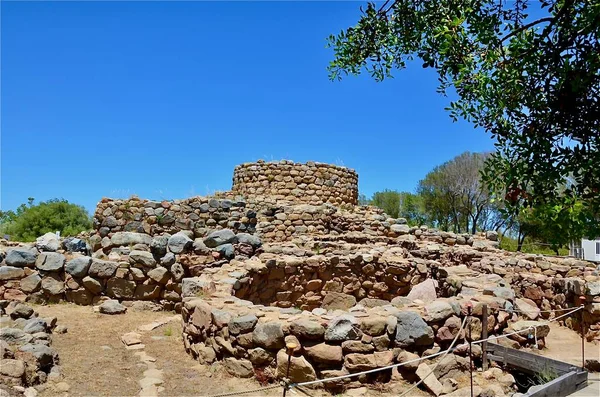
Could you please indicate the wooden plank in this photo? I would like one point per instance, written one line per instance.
(559, 387)
(528, 361)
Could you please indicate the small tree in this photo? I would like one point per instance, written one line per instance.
(30, 221)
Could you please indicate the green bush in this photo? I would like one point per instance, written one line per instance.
(30, 221)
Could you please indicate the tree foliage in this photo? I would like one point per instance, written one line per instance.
(533, 82)
(389, 201)
(30, 221)
(455, 196)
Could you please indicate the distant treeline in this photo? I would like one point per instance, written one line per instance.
(453, 197)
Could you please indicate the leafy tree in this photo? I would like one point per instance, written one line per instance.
(387, 200)
(412, 209)
(30, 221)
(455, 197)
(532, 81)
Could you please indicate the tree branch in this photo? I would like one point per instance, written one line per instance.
(525, 27)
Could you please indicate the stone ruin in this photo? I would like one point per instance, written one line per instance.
(287, 255)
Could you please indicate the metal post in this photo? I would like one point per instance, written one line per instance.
(290, 347)
(484, 335)
(470, 310)
(582, 327)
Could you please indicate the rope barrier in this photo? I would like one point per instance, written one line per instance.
(462, 327)
(235, 393)
(534, 327)
(376, 369)
(444, 353)
(542, 311)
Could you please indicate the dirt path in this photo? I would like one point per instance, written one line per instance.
(564, 344)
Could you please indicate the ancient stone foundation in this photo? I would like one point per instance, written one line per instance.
(270, 262)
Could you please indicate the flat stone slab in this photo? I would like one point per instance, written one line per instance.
(131, 338)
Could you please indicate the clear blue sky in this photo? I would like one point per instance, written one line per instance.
(163, 99)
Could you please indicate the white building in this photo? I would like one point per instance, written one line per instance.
(586, 249)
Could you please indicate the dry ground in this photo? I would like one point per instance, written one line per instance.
(94, 362)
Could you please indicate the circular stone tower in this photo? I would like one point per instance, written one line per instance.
(310, 183)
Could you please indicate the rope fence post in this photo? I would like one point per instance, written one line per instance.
(290, 347)
(469, 313)
(484, 336)
(582, 327)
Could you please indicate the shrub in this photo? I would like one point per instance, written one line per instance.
(31, 221)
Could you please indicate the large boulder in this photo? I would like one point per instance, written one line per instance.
(451, 366)
(159, 274)
(342, 328)
(31, 283)
(400, 229)
(527, 308)
(250, 239)
(143, 258)
(120, 288)
(130, 238)
(50, 261)
(338, 301)
(220, 237)
(35, 325)
(11, 273)
(300, 369)
(180, 243)
(226, 250)
(103, 269)
(424, 291)
(268, 335)
(92, 285)
(242, 324)
(239, 368)
(411, 330)
(73, 244)
(424, 373)
(439, 311)
(146, 292)
(324, 354)
(11, 368)
(78, 267)
(194, 286)
(112, 307)
(48, 242)
(14, 336)
(525, 329)
(43, 354)
(159, 245)
(307, 329)
(53, 285)
(21, 257)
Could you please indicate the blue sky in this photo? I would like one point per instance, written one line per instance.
(163, 99)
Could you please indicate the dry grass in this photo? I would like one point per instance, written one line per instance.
(93, 360)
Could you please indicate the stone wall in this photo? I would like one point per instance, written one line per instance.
(250, 339)
(307, 282)
(311, 183)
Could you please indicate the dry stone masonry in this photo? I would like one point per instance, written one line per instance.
(311, 183)
(26, 356)
(287, 256)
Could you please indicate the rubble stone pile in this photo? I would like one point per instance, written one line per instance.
(26, 356)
